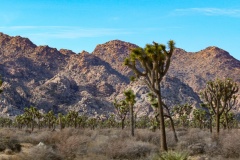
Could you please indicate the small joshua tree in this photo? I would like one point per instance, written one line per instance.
(72, 118)
(32, 113)
(130, 100)
(199, 117)
(61, 120)
(122, 110)
(183, 112)
(50, 119)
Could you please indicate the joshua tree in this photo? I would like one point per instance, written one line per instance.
(50, 119)
(228, 120)
(199, 117)
(61, 120)
(183, 112)
(19, 120)
(92, 122)
(31, 113)
(82, 120)
(152, 64)
(5, 122)
(39, 116)
(143, 122)
(72, 118)
(110, 122)
(219, 96)
(130, 100)
(229, 106)
(26, 120)
(122, 110)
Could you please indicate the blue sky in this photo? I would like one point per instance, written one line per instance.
(82, 24)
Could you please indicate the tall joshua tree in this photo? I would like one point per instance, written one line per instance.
(130, 100)
(152, 63)
(220, 97)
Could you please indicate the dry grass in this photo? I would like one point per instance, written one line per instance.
(104, 144)
(230, 143)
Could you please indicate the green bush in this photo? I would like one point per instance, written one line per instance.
(171, 155)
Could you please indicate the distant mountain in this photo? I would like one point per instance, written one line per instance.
(62, 80)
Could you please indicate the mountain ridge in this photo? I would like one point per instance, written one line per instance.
(62, 80)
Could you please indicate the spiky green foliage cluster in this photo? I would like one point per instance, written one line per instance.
(172, 155)
(154, 60)
(130, 97)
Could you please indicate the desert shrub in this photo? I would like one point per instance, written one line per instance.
(171, 142)
(121, 134)
(73, 146)
(230, 144)
(146, 135)
(105, 131)
(213, 146)
(129, 149)
(181, 131)
(171, 155)
(36, 137)
(40, 153)
(9, 143)
(196, 135)
(113, 143)
(193, 136)
(7, 132)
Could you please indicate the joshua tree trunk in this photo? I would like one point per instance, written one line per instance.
(32, 123)
(218, 121)
(75, 123)
(132, 120)
(122, 122)
(171, 121)
(163, 140)
(226, 119)
(210, 126)
(173, 129)
(39, 125)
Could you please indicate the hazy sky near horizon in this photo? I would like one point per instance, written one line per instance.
(82, 24)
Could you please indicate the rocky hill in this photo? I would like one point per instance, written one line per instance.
(62, 80)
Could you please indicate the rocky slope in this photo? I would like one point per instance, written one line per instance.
(208, 64)
(63, 80)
